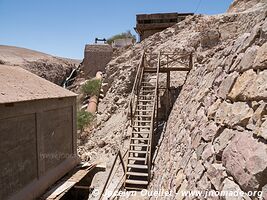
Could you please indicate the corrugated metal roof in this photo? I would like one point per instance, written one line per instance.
(17, 84)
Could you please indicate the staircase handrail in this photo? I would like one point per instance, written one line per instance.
(136, 88)
(152, 116)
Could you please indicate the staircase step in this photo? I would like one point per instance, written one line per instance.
(154, 70)
(138, 151)
(150, 106)
(145, 100)
(136, 182)
(148, 86)
(137, 158)
(137, 166)
(141, 132)
(145, 105)
(139, 138)
(143, 116)
(146, 122)
(147, 91)
(149, 67)
(146, 79)
(134, 188)
(150, 99)
(145, 82)
(142, 121)
(137, 174)
(143, 95)
(149, 103)
(143, 110)
(141, 126)
(139, 145)
(151, 81)
(139, 120)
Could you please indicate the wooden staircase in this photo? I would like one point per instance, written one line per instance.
(143, 117)
(144, 114)
(143, 124)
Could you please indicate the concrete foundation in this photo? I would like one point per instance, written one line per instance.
(96, 57)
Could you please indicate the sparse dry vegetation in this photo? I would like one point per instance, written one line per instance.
(84, 119)
(91, 87)
(126, 34)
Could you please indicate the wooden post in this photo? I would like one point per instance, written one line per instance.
(191, 61)
(110, 172)
(167, 61)
(168, 92)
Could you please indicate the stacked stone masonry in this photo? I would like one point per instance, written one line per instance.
(216, 134)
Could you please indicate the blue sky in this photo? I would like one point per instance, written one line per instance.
(63, 27)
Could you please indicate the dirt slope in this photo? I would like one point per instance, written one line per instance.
(46, 66)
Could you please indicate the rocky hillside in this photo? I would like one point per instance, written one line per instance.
(216, 134)
(52, 68)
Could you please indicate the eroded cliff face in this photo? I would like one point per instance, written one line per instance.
(216, 135)
(52, 68)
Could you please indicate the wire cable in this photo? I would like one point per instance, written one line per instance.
(199, 2)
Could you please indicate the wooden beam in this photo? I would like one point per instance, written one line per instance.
(166, 70)
(168, 79)
(168, 92)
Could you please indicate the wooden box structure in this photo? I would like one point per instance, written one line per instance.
(149, 24)
(37, 133)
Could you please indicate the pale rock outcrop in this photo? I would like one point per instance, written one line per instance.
(250, 86)
(227, 85)
(232, 188)
(234, 114)
(261, 57)
(246, 160)
(223, 140)
(262, 130)
(216, 174)
(264, 190)
(247, 59)
(243, 5)
(258, 117)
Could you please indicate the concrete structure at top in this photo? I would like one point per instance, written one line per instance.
(96, 57)
(149, 24)
(37, 133)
